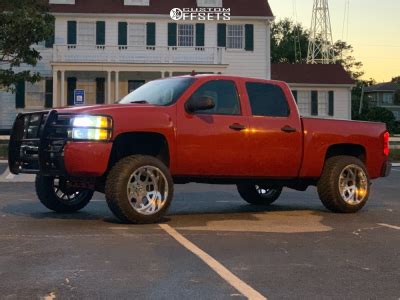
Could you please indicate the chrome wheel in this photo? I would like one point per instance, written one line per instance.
(353, 184)
(64, 193)
(147, 190)
(264, 192)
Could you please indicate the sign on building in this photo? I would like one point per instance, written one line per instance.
(79, 97)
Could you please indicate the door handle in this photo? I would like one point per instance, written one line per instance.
(237, 127)
(288, 129)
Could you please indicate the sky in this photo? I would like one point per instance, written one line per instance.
(373, 30)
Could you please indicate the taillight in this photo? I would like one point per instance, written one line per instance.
(386, 143)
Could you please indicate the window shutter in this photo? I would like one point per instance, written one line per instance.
(20, 94)
(314, 103)
(100, 33)
(71, 86)
(122, 33)
(249, 36)
(295, 95)
(100, 90)
(172, 34)
(48, 101)
(200, 27)
(151, 34)
(222, 35)
(331, 103)
(71, 38)
(50, 40)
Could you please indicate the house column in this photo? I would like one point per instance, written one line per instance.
(116, 85)
(109, 87)
(62, 98)
(56, 99)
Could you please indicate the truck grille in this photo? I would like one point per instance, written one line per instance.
(37, 143)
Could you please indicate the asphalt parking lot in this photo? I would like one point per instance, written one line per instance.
(212, 245)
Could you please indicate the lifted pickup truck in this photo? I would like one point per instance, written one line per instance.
(204, 128)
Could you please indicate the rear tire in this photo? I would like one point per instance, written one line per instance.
(344, 185)
(258, 194)
(139, 189)
(53, 193)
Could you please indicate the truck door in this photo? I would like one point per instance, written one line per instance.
(213, 142)
(275, 140)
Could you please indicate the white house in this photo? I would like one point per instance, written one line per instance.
(110, 47)
(320, 90)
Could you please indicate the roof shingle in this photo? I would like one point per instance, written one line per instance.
(258, 8)
(311, 74)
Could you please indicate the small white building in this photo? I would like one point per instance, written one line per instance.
(110, 47)
(322, 91)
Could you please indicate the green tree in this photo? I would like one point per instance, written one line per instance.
(284, 35)
(381, 114)
(23, 23)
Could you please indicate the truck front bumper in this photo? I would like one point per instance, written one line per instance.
(39, 144)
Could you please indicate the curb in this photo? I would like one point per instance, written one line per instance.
(395, 164)
(3, 161)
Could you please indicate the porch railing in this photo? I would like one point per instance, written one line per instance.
(138, 54)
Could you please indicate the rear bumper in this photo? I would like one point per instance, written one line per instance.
(386, 168)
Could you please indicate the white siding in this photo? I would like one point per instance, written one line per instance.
(342, 99)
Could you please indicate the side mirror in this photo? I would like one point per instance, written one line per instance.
(203, 103)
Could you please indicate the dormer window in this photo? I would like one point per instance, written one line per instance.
(71, 2)
(137, 2)
(209, 3)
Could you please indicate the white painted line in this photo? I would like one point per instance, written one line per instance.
(222, 271)
(389, 226)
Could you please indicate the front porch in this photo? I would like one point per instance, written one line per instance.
(108, 83)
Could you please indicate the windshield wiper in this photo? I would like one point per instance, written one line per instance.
(139, 102)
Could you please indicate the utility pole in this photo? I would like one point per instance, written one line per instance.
(320, 47)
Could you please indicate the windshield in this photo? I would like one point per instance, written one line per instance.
(159, 92)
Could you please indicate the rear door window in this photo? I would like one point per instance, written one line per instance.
(267, 100)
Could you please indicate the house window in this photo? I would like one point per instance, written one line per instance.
(387, 99)
(397, 115)
(137, 34)
(323, 103)
(185, 35)
(304, 103)
(87, 33)
(35, 94)
(235, 36)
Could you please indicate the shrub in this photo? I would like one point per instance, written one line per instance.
(381, 114)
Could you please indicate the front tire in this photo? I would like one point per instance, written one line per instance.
(344, 186)
(258, 194)
(55, 194)
(139, 189)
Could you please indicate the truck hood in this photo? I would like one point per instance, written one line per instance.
(102, 109)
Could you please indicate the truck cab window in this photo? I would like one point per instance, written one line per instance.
(267, 100)
(224, 94)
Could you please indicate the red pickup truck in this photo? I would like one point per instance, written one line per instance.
(202, 128)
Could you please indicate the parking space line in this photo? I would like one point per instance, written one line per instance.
(389, 226)
(216, 266)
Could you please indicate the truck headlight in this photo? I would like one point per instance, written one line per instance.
(94, 128)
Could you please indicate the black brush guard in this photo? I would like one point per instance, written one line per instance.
(37, 143)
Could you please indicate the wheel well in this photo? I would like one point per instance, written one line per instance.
(146, 143)
(347, 149)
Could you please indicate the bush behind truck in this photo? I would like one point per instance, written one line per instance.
(205, 128)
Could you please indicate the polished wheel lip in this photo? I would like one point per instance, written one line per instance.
(147, 190)
(353, 184)
(264, 192)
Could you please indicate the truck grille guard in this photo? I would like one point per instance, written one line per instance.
(37, 143)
